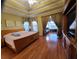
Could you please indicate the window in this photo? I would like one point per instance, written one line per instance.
(73, 25)
(34, 26)
(51, 25)
(26, 26)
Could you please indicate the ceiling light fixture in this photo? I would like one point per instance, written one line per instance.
(31, 2)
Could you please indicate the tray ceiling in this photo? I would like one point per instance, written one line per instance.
(43, 7)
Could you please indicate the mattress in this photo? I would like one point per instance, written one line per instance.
(9, 38)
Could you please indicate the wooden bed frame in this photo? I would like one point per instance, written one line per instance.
(4, 32)
(23, 42)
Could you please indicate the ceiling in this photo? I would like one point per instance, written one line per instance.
(43, 7)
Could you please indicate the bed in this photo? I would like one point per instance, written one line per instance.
(17, 41)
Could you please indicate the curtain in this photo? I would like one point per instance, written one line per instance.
(34, 26)
(26, 26)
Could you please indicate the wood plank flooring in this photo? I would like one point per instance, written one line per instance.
(40, 49)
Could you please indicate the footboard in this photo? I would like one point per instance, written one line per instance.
(24, 42)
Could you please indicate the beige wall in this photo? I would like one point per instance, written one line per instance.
(40, 25)
(9, 21)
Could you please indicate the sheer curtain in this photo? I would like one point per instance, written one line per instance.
(34, 26)
(26, 26)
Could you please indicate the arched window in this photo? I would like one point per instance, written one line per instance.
(51, 25)
(34, 26)
(26, 26)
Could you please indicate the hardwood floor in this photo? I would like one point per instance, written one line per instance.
(40, 49)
